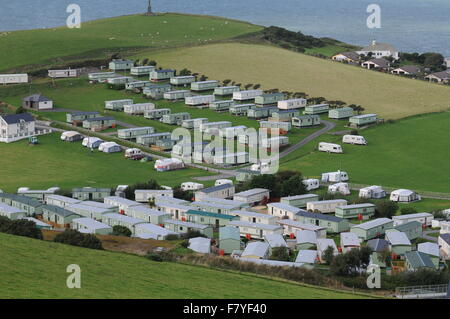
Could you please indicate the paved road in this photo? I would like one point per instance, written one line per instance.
(426, 235)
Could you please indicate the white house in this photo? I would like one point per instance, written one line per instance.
(380, 50)
(423, 218)
(14, 127)
(37, 102)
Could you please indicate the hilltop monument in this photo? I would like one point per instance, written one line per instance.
(149, 9)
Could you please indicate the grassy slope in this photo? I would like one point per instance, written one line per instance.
(391, 97)
(68, 165)
(37, 269)
(45, 46)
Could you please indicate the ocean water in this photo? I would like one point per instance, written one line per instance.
(410, 25)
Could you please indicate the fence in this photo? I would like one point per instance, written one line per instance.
(421, 292)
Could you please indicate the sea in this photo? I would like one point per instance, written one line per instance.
(410, 25)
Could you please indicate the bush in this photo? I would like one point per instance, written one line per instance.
(23, 227)
(5, 222)
(75, 238)
(119, 230)
(185, 244)
(192, 234)
(280, 253)
(386, 209)
(92, 242)
(172, 237)
(154, 257)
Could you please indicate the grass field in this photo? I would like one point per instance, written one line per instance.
(68, 165)
(389, 96)
(37, 269)
(95, 38)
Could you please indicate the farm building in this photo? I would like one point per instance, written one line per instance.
(222, 191)
(210, 127)
(330, 148)
(432, 250)
(144, 195)
(311, 184)
(373, 228)
(152, 216)
(226, 90)
(60, 201)
(150, 139)
(208, 218)
(177, 95)
(12, 213)
(14, 127)
(221, 106)
(365, 119)
(191, 186)
(306, 257)
(306, 239)
(444, 244)
(30, 206)
(316, 109)
(168, 164)
(415, 260)
(256, 250)
(323, 244)
(136, 85)
(423, 218)
(349, 241)
(182, 80)
(156, 113)
(142, 70)
(282, 211)
(306, 120)
(90, 226)
(283, 127)
(299, 201)
(138, 109)
(151, 231)
(338, 176)
(253, 217)
(399, 243)
(412, 229)
(120, 80)
(291, 104)
(78, 117)
(204, 85)
(325, 206)
(252, 196)
(261, 112)
(182, 227)
(356, 210)
(246, 95)
(229, 239)
(374, 192)
(291, 227)
(404, 195)
(114, 219)
(92, 142)
(99, 123)
(117, 105)
(175, 118)
(200, 245)
(240, 109)
(109, 147)
(339, 188)
(284, 115)
(134, 132)
(101, 76)
(340, 113)
(37, 194)
(232, 131)
(161, 75)
(121, 65)
(194, 123)
(256, 230)
(68, 73)
(269, 98)
(90, 193)
(333, 224)
(37, 102)
(156, 91)
(13, 78)
(379, 247)
(122, 203)
(90, 211)
(354, 139)
(58, 216)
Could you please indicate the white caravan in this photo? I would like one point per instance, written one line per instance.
(311, 183)
(330, 147)
(339, 176)
(354, 139)
(339, 188)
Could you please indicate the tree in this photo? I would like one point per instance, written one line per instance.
(182, 194)
(386, 209)
(433, 61)
(20, 110)
(5, 222)
(203, 78)
(293, 186)
(226, 82)
(353, 262)
(145, 61)
(152, 63)
(151, 184)
(119, 230)
(69, 237)
(256, 86)
(328, 255)
(185, 72)
(248, 86)
(280, 253)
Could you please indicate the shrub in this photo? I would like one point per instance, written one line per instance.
(75, 238)
(92, 242)
(192, 234)
(386, 209)
(328, 255)
(5, 222)
(172, 237)
(280, 253)
(154, 257)
(185, 244)
(23, 227)
(119, 230)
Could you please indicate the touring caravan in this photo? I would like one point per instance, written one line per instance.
(191, 186)
(223, 181)
(134, 153)
(404, 195)
(137, 109)
(374, 192)
(339, 176)
(339, 188)
(109, 147)
(354, 139)
(92, 142)
(330, 148)
(168, 164)
(71, 136)
(311, 184)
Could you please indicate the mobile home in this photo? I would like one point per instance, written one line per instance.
(270, 142)
(58, 216)
(214, 127)
(221, 191)
(252, 196)
(291, 104)
(340, 113)
(221, 106)
(316, 109)
(90, 226)
(177, 95)
(156, 113)
(138, 109)
(13, 78)
(122, 203)
(120, 80)
(194, 123)
(175, 118)
(144, 195)
(208, 218)
(330, 148)
(120, 65)
(182, 227)
(365, 119)
(161, 75)
(423, 218)
(332, 223)
(150, 231)
(156, 91)
(152, 216)
(246, 95)
(283, 127)
(282, 211)
(182, 80)
(77, 118)
(253, 217)
(226, 90)
(132, 133)
(240, 109)
(68, 73)
(99, 123)
(136, 85)
(12, 213)
(269, 98)
(232, 131)
(117, 105)
(191, 186)
(101, 76)
(113, 219)
(292, 227)
(204, 85)
(229, 239)
(90, 193)
(306, 120)
(373, 228)
(71, 136)
(256, 230)
(150, 139)
(261, 112)
(230, 158)
(142, 70)
(284, 115)
(199, 100)
(354, 211)
(89, 211)
(299, 201)
(354, 139)
(325, 206)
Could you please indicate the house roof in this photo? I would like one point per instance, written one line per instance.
(324, 243)
(408, 226)
(251, 192)
(378, 244)
(216, 188)
(254, 225)
(251, 214)
(275, 240)
(273, 263)
(90, 223)
(200, 245)
(121, 201)
(16, 118)
(379, 46)
(350, 239)
(417, 259)
(397, 238)
(409, 69)
(186, 224)
(305, 236)
(306, 256)
(444, 75)
(209, 214)
(300, 197)
(320, 216)
(445, 237)
(373, 223)
(256, 248)
(286, 207)
(410, 216)
(229, 232)
(296, 224)
(36, 98)
(382, 63)
(123, 218)
(100, 118)
(9, 209)
(58, 210)
(146, 210)
(429, 249)
(350, 55)
(151, 228)
(22, 199)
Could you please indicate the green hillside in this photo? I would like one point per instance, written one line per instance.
(37, 269)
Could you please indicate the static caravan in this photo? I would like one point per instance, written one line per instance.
(13, 78)
(231, 158)
(282, 211)
(229, 239)
(150, 139)
(339, 188)
(132, 133)
(325, 206)
(60, 201)
(12, 213)
(99, 123)
(299, 201)
(283, 127)
(252, 196)
(121, 65)
(117, 105)
(226, 90)
(261, 112)
(168, 164)
(156, 91)
(122, 203)
(240, 109)
(354, 211)
(423, 218)
(284, 115)
(270, 142)
(142, 70)
(349, 241)
(182, 227)
(90, 226)
(113, 219)
(156, 113)
(316, 109)
(90, 193)
(187, 147)
(144, 195)
(222, 191)
(194, 123)
(89, 211)
(110, 147)
(311, 183)
(269, 98)
(292, 227)
(218, 206)
(291, 104)
(161, 75)
(214, 127)
(232, 131)
(100, 76)
(247, 95)
(373, 228)
(252, 217)
(306, 120)
(37, 194)
(256, 230)
(340, 113)
(339, 176)
(120, 80)
(208, 218)
(404, 195)
(330, 148)
(354, 139)
(150, 231)
(221, 106)
(175, 118)
(177, 95)
(76, 118)
(138, 109)
(71, 136)
(68, 73)
(182, 80)
(152, 216)
(256, 251)
(136, 85)
(204, 85)
(332, 223)
(374, 192)
(177, 211)
(199, 100)
(365, 119)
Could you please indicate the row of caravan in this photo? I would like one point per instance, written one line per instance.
(336, 148)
